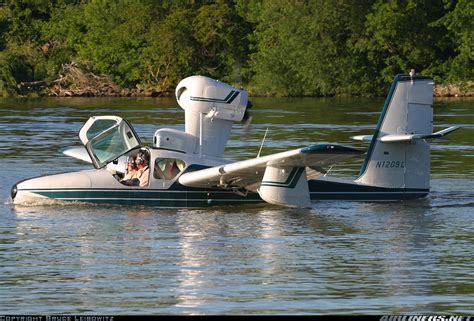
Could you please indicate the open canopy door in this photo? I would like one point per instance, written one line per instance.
(108, 137)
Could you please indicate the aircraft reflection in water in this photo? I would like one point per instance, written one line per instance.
(187, 169)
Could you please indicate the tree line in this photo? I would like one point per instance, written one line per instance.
(271, 47)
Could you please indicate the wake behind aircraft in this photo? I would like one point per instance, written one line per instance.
(187, 168)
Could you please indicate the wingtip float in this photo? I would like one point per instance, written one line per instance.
(187, 169)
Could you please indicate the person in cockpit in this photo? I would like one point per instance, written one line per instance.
(132, 170)
(143, 170)
(168, 168)
(138, 171)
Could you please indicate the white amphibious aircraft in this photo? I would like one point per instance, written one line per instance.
(187, 169)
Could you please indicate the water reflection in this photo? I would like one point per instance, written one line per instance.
(191, 261)
(405, 248)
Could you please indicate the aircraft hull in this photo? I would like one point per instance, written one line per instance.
(328, 189)
(160, 198)
(100, 187)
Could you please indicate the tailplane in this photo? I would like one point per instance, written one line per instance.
(399, 152)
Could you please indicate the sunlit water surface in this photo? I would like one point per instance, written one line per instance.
(336, 258)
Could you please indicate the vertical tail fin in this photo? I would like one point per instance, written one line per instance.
(395, 163)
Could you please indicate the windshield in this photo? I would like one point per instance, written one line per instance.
(111, 140)
(109, 145)
(99, 126)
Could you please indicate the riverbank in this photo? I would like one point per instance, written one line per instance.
(45, 89)
(454, 90)
(75, 82)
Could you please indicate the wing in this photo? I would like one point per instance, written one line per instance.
(248, 174)
(119, 165)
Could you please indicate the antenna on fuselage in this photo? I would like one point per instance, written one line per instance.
(263, 141)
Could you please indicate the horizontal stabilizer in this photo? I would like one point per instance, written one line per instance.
(407, 138)
(444, 132)
(366, 138)
(411, 137)
(79, 153)
(397, 138)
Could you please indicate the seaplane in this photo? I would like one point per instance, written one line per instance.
(187, 168)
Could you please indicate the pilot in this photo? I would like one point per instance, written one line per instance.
(143, 170)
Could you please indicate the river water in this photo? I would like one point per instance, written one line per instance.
(338, 257)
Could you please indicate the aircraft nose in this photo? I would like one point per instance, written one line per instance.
(13, 192)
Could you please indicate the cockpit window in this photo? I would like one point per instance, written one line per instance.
(109, 145)
(100, 126)
(107, 137)
(168, 168)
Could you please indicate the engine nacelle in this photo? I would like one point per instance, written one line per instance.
(212, 98)
(210, 108)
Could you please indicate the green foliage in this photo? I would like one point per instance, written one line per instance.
(21, 58)
(300, 51)
(114, 39)
(168, 55)
(63, 35)
(221, 37)
(273, 47)
(7, 81)
(402, 35)
(460, 23)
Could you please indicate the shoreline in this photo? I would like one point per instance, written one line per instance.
(73, 81)
(45, 89)
(454, 90)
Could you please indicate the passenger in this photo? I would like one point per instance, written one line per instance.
(168, 168)
(143, 173)
(174, 170)
(158, 171)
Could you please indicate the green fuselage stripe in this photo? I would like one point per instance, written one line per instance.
(227, 100)
(183, 197)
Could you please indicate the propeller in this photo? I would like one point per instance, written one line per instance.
(247, 119)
